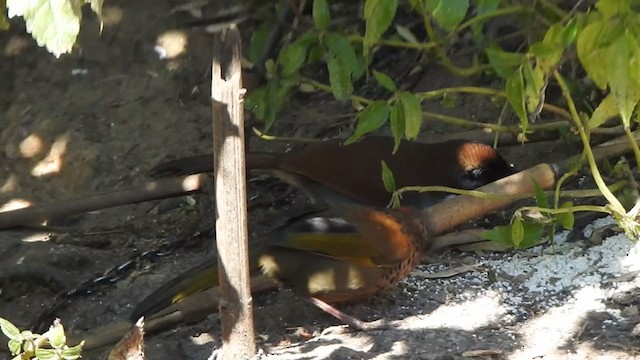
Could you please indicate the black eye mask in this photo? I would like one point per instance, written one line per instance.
(477, 177)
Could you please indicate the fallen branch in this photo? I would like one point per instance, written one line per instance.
(154, 190)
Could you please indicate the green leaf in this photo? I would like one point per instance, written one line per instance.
(541, 197)
(504, 63)
(385, 81)
(321, 14)
(370, 119)
(559, 35)
(278, 90)
(611, 8)
(293, 56)
(412, 114)
(340, 48)
(541, 49)
(532, 235)
(406, 34)
(623, 70)
(397, 124)
(499, 234)
(255, 101)
(341, 63)
(387, 178)
(447, 13)
(57, 339)
(266, 101)
(46, 354)
(15, 347)
(258, 42)
(566, 219)
(504, 235)
(517, 232)
(271, 100)
(570, 32)
(73, 352)
(362, 65)
(339, 78)
(606, 110)
(591, 55)
(9, 330)
(67, 355)
(547, 55)
(54, 25)
(29, 346)
(534, 88)
(515, 95)
(378, 15)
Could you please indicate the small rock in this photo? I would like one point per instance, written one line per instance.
(629, 311)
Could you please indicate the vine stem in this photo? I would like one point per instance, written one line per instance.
(268, 137)
(597, 177)
(572, 209)
(450, 190)
(561, 194)
(554, 8)
(486, 91)
(555, 125)
(397, 43)
(489, 15)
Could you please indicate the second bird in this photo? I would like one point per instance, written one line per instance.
(329, 172)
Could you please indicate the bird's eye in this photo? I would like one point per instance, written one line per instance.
(477, 172)
(473, 178)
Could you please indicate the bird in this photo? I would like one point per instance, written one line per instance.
(322, 259)
(329, 172)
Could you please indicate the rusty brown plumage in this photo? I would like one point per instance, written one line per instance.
(331, 173)
(358, 255)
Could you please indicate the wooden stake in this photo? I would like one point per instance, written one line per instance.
(236, 313)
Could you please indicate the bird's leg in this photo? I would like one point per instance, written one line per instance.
(347, 319)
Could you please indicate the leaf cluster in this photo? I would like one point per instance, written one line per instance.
(53, 24)
(52, 345)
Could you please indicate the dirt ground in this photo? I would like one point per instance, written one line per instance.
(110, 111)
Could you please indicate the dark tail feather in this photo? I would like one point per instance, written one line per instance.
(191, 281)
(204, 163)
(196, 279)
(184, 166)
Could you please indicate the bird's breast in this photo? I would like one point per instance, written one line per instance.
(338, 281)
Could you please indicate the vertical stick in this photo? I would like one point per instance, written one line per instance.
(236, 311)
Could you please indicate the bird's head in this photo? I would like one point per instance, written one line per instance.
(481, 164)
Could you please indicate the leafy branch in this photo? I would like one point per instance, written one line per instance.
(54, 25)
(50, 345)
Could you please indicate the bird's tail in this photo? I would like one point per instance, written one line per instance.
(193, 280)
(205, 275)
(204, 163)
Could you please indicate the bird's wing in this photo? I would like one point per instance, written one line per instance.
(370, 237)
(384, 232)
